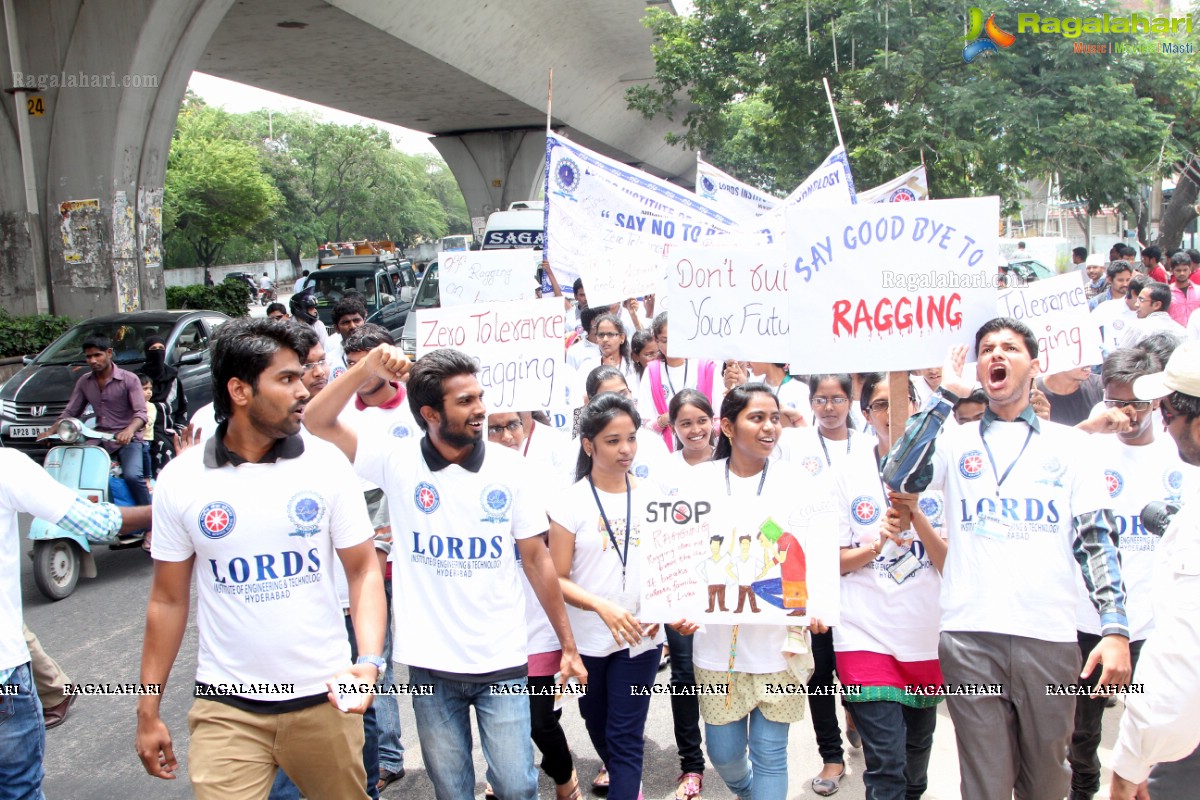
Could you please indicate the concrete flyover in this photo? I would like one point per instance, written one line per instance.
(81, 183)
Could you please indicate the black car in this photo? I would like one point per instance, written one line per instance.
(385, 286)
(37, 395)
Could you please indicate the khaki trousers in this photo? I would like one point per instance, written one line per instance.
(233, 753)
(48, 676)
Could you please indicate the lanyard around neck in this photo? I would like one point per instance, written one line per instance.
(761, 479)
(667, 374)
(623, 555)
(1000, 478)
(825, 450)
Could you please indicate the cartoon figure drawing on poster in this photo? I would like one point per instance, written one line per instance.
(699, 566)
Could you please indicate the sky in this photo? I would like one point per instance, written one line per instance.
(239, 98)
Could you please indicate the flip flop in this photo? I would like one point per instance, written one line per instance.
(600, 782)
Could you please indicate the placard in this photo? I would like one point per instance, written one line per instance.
(518, 347)
(1056, 309)
(730, 302)
(608, 223)
(488, 276)
(709, 559)
(889, 286)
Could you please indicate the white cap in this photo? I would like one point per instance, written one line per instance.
(1181, 375)
(1095, 260)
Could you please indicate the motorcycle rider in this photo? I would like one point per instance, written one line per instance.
(116, 397)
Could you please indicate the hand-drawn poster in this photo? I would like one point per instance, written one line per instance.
(714, 560)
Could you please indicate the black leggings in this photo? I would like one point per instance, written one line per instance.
(547, 733)
(823, 707)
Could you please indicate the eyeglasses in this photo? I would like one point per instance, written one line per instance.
(879, 406)
(1136, 405)
(840, 400)
(606, 335)
(511, 427)
(314, 365)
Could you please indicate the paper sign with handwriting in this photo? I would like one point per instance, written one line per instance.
(1056, 309)
(487, 276)
(709, 559)
(889, 286)
(729, 302)
(518, 347)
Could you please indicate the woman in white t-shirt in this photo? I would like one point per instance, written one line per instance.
(594, 541)
(692, 420)
(747, 723)
(651, 460)
(614, 347)
(885, 565)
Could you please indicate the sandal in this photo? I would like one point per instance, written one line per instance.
(386, 777)
(571, 787)
(827, 786)
(488, 792)
(600, 782)
(690, 784)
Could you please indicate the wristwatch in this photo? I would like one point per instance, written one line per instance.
(375, 661)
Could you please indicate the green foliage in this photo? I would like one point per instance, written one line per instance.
(215, 187)
(228, 297)
(21, 336)
(750, 90)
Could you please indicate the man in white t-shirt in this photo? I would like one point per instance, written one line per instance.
(263, 513)
(1138, 468)
(349, 314)
(1159, 727)
(27, 488)
(1023, 514)
(462, 512)
(379, 410)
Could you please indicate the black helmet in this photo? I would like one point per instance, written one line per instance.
(304, 307)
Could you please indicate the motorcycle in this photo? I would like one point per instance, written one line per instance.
(266, 296)
(60, 557)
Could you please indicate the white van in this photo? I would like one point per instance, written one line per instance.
(522, 225)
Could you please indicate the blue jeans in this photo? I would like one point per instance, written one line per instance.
(750, 755)
(131, 456)
(387, 714)
(22, 739)
(616, 718)
(897, 741)
(444, 730)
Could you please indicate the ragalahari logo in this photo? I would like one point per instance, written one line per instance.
(984, 37)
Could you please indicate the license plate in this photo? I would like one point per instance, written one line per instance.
(27, 431)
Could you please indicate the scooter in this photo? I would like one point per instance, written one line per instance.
(60, 556)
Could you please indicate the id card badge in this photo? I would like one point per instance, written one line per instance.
(904, 567)
(990, 525)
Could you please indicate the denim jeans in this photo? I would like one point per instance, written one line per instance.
(616, 718)
(387, 709)
(897, 741)
(131, 471)
(750, 755)
(685, 709)
(444, 731)
(22, 739)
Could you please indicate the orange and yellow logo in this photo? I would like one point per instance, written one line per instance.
(984, 37)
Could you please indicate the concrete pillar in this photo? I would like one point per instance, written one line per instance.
(112, 76)
(495, 168)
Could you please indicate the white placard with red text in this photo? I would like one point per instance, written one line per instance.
(518, 347)
(889, 286)
(1056, 310)
(487, 276)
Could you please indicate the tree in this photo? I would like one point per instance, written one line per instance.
(214, 187)
(747, 78)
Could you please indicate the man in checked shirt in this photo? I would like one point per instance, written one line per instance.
(1025, 510)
